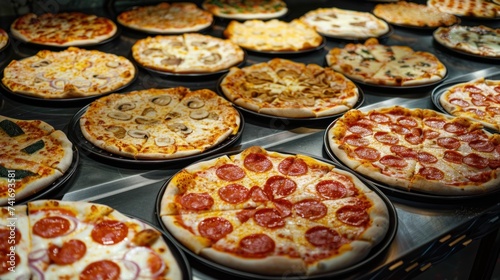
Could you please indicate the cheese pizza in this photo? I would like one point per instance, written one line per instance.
(467, 8)
(273, 213)
(477, 40)
(4, 39)
(285, 88)
(246, 9)
(418, 150)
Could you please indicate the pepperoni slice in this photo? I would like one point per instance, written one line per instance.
(425, 157)
(257, 163)
(258, 194)
(279, 186)
(497, 89)
(455, 128)
(109, 232)
(283, 206)
(356, 140)
(353, 215)
(493, 110)
(331, 189)
(431, 134)
(480, 177)
(476, 94)
(360, 129)
(435, 122)
(379, 118)
(399, 129)
(482, 146)
(293, 166)
(323, 237)
(414, 139)
(404, 152)
(367, 153)
(5, 233)
(5, 261)
(448, 143)
(245, 214)
(459, 102)
(407, 122)
(472, 136)
(70, 252)
(50, 227)
(386, 138)
(431, 173)
(197, 201)
(393, 161)
(310, 209)
(234, 193)
(494, 163)
(103, 270)
(452, 156)
(155, 264)
(215, 228)
(476, 161)
(473, 90)
(257, 244)
(478, 103)
(230, 172)
(269, 218)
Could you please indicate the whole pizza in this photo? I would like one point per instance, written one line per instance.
(468, 8)
(66, 74)
(246, 9)
(476, 40)
(478, 100)
(346, 24)
(187, 53)
(33, 155)
(177, 17)
(4, 39)
(159, 123)
(79, 240)
(285, 88)
(273, 35)
(418, 150)
(63, 29)
(415, 15)
(273, 213)
(376, 64)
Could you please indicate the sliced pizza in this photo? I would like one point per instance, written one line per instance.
(246, 9)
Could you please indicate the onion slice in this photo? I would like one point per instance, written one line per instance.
(38, 255)
(141, 253)
(130, 266)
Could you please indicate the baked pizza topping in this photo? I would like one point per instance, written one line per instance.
(159, 123)
(285, 88)
(4, 38)
(414, 14)
(70, 73)
(273, 35)
(468, 8)
(187, 53)
(267, 208)
(418, 150)
(377, 64)
(63, 29)
(166, 18)
(246, 9)
(345, 23)
(477, 40)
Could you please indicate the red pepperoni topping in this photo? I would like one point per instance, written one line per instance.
(353, 215)
(414, 139)
(393, 161)
(452, 156)
(407, 122)
(494, 163)
(493, 109)
(356, 140)
(323, 237)
(234, 193)
(293, 166)
(379, 118)
(279, 186)
(230, 172)
(497, 89)
(482, 146)
(455, 128)
(431, 134)
(459, 102)
(399, 129)
(477, 94)
(310, 209)
(245, 215)
(5, 260)
(449, 143)
(431, 173)
(435, 122)
(215, 228)
(331, 189)
(425, 157)
(474, 135)
(476, 161)
(367, 153)
(386, 138)
(480, 177)
(197, 201)
(5, 233)
(50, 227)
(109, 232)
(258, 194)
(70, 252)
(257, 245)
(103, 270)
(404, 152)
(473, 90)
(283, 206)
(269, 218)
(361, 129)
(257, 163)
(478, 103)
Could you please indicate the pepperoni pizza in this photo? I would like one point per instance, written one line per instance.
(49, 239)
(418, 150)
(273, 213)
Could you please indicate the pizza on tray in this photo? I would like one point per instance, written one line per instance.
(418, 150)
(79, 240)
(186, 54)
(478, 100)
(376, 64)
(477, 40)
(63, 29)
(159, 123)
(467, 8)
(4, 39)
(285, 88)
(273, 35)
(273, 213)
(177, 17)
(66, 74)
(32, 156)
(246, 9)
(346, 24)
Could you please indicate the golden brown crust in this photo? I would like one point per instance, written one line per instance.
(244, 10)
(414, 14)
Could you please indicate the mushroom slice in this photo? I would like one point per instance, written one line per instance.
(120, 116)
(162, 100)
(213, 116)
(151, 51)
(126, 106)
(118, 131)
(136, 133)
(141, 120)
(149, 112)
(171, 60)
(112, 64)
(164, 141)
(195, 103)
(179, 127)
(199, 114)
(213, 58)
(40, 63)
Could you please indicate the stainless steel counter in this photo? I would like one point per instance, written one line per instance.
(428, 231)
